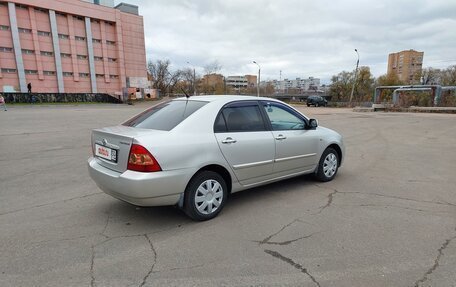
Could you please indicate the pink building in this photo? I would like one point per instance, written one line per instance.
(71, 46)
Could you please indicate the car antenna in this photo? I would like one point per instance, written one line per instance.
(186, 95)
(186, 102)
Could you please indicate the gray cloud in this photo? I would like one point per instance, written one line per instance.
(301, 38)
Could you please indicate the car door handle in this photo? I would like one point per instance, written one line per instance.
(229, 141)
(281, 137)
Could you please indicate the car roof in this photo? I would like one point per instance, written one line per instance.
(225, 98)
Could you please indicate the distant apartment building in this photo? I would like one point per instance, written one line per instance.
(251, 80)
(212, 80)
(310, 83)
(71, 46)
(406, 65)
(246, 81)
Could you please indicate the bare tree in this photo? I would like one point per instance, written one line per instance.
(191, 80)
(212, 68)
(163, 79)
(430, 76)
(449, 76)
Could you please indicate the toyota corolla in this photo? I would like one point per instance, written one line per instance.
(194, 152)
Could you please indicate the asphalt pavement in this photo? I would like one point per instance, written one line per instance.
(388, 218)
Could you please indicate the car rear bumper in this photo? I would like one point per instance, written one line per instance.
(142, 189)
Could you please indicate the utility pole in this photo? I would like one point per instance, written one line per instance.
(356, 77)
(259, 73)
(280, 82)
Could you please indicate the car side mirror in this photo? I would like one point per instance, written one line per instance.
(313, 124)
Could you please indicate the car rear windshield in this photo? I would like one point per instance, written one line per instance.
(165, 116)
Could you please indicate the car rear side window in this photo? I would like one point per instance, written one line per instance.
(240, 119)
(165, 116)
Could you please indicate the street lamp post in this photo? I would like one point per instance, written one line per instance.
(356, 77)
(194, 79)
(259, 73)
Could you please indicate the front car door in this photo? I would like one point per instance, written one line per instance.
(246, 143)
(296, 146)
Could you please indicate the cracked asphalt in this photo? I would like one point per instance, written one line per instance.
(388, 219)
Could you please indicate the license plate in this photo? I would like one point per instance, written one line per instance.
(106, 153)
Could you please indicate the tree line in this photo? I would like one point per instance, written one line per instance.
(342, 83)
(187, 80)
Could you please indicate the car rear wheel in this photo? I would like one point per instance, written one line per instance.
(205, 196)
(328, 165)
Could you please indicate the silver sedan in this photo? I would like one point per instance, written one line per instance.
(193, 152)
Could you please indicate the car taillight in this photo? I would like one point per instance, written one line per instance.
(140, 159)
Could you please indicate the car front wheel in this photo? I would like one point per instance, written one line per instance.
(328, 165)
(205, 196)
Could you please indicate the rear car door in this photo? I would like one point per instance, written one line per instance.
(246, 143)
(296, 146)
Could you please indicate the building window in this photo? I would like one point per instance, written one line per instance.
(41, 10)
(110, 42)
(49, 73)
(95, 21)
(65, 55)
(67, 74)
(114, 76)
(46, 53)
(25, 30)
(6, 49)
(100, 75)
(112, 59)
(44, 33)
(79, 38)
(96, 40)
(60, 14)
(8, 71)
(84, 75)
(109, 23)
(28, 52)
(4, 28)
(96, 58)
(82, 57)
(63, 36)
(31, 72)
(20, 6)
(78, 18)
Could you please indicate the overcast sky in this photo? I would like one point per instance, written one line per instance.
(300, 37)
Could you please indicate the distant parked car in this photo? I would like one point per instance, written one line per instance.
(195, 152)
(316, 101)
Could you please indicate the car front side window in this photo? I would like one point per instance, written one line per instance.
(281, 119)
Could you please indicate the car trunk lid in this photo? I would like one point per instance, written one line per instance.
(111, 146)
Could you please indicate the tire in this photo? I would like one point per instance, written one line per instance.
(316, 105)
(199, 205)
(328, 165)
(308, 105)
